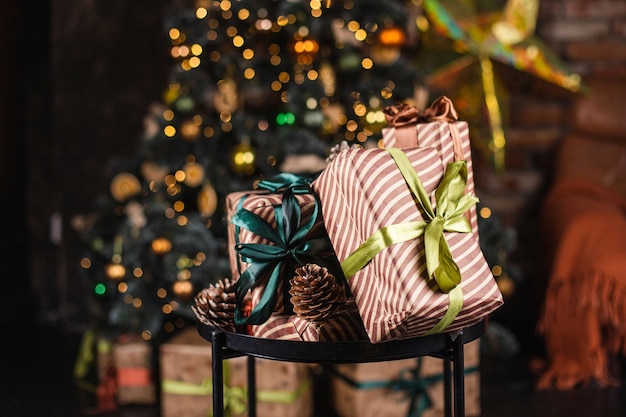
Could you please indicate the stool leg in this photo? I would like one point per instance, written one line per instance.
(459, 377)
(251, 386)
(217, 342)
(447, 387)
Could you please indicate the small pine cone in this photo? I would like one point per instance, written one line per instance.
(215, 305)
(337, 149)
(315, 293)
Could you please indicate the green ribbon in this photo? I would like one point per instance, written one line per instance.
(85, 358)
(409, 381)
(448, 216)
(235, 397)
(299, 183)
(291, 246)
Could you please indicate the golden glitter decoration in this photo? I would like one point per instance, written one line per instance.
(115, 271)
(161, 245)
(124, 186)
(194, 174)
(207, 200)
(182, 289)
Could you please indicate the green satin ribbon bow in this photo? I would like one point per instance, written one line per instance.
(235, 398)
(448, 216)
(291, 246)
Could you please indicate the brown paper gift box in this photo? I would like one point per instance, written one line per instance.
(262, 204)
(437, 128)
(132, 357)
(344, 325)
(105, 362)
(185, 373)
(357, 398)
(362, 191)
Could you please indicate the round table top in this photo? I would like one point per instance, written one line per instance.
(354, 351)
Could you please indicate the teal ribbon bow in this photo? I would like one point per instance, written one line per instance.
(408, 381)
(291, 247)
(448, 216)
(299, 183)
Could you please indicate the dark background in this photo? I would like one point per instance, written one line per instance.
(76, 78)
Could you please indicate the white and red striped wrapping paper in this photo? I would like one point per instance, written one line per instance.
(438, 135)
(345, 325)
(262, 203)
(362, 191)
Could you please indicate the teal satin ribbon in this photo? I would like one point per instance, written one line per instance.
(408, 381)
(291, 247)
(448, 216)
(299, 183)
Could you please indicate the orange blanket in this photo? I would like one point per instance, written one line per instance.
(584, 316)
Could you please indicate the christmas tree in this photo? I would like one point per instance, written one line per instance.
(260, 87)
(257, 87)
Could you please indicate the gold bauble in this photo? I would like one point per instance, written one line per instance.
(242, 159)
(189, 130)
(385, 55)
(152, 171)
(125, 185)
(506, 286)
(335, 116)
(183, 289)
(115, 270)
(207, 200)
(194, 174)
(161, 245)
(392, 36)
(226, 98)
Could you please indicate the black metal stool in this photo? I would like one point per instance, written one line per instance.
(447, 346)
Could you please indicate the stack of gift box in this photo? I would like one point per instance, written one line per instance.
(380, 245)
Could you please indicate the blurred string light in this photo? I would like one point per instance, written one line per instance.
(304, 46)
(220, 43)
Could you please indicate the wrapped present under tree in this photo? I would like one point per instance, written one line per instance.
(403, 388)
(283, 389)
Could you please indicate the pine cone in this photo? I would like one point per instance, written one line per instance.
(315, 294)
(337, 149)
(215, 305)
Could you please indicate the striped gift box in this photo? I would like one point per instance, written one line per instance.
(362, 191)
(262, 203)
(450, 139)
(344, 325)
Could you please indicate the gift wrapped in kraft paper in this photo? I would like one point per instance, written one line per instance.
(396, 219)
(408, 387)
(272, 231)
(132, 358)
(283, 389)
(438, 127)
